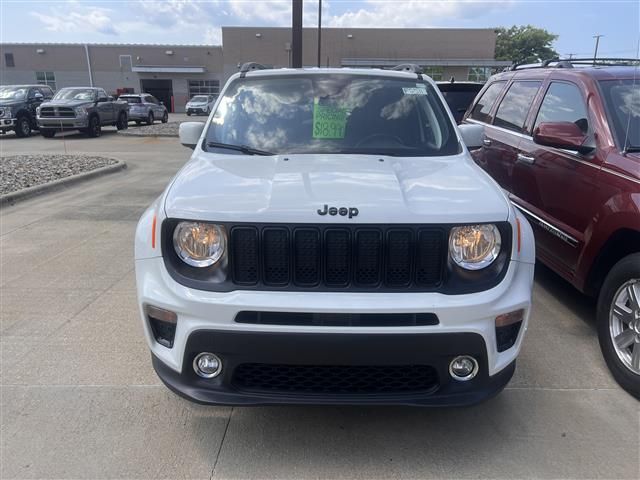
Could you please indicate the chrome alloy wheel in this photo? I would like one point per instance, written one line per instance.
(624, 324)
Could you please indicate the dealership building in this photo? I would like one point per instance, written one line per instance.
(174, 73)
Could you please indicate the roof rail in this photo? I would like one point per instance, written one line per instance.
(571, 62)
(249, 66)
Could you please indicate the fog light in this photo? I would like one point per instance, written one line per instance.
(207, 365)
(463, 368)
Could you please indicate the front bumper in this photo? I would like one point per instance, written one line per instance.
(65, 123)
(7, 123)
(207, 320)
(331, 350)
(197, 110)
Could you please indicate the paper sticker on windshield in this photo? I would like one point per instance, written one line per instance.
(414, 90)
(329, 121)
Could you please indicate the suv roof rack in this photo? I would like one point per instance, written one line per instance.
(249, 66)
(570, 62)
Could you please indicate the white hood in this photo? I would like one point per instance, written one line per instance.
(292, 188)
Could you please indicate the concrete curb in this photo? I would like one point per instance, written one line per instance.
(166, 135)
(13, 197)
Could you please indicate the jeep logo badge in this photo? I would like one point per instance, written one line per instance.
(342, 211)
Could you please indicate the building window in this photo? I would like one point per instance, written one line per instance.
(434, 72)
(125, 63)
(46, 78)
(479, 74)
(204, 87)
(8, 60)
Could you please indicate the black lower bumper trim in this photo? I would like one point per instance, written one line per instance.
(341, 351)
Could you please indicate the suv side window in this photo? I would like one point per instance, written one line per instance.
(46, 92)
(515, 105)
(152, 99)
(563, 102)
(483, 106)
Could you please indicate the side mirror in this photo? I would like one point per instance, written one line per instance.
(38, 96)
(565, 135)
(189, 133)
(472, 135)
(161, 103)
(103, 99)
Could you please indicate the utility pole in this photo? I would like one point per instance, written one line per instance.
(296, 34)
(319, 31)
(595, 53)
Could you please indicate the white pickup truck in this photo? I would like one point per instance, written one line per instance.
(331, 241)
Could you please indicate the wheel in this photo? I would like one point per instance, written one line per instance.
(619, 322)
(122, 123)
(188, 114)
(150, 119)
(165, 117)
(23, 127)
(94, 129)
(138, 122)
(47, 132)
(208, 111)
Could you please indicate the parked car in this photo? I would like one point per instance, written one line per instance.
(200, 104)
(145, 108)
(459, 96)
(87, 109)
(332, 241)
(565, 143)
(18, 105)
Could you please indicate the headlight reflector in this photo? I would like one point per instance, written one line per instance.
(474, 247)
(199, 244)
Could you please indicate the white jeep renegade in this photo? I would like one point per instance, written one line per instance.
(332, 241)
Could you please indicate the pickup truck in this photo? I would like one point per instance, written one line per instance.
(87, 109)
(18, 104)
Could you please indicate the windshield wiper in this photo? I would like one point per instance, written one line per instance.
(239, 148)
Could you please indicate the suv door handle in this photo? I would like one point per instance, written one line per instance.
(526, 159)
(486, 142)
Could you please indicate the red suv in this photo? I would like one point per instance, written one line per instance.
(563, 140)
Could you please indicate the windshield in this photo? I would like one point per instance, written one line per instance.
(200, 99)
(75, 94)
(12, 93)
(130, 99)
(623, 102)
(333, 114)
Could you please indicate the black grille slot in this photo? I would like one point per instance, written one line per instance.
(361, 258)
(306, 257)
(276, 250)
(337, 257)
(367, 257)
(338, 319)
(429, 258)
(244, 251)
(335, 379)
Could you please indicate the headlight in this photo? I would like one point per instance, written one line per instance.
(199, 244)
(37, 111)
(474, 247)
(81, 110)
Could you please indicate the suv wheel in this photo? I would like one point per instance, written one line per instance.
(94, 129)
(150, 119)
(165, 117)
(122, 123)
(619, 322)
(23, 127)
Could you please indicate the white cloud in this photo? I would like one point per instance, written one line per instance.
(79, 19)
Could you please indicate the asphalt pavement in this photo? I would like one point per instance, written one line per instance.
(79, 398)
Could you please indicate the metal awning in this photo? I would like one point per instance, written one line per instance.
(166, 69)
(432, 62)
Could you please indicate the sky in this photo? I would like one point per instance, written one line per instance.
(199, 21)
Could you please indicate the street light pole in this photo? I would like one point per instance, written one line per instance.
(595, 53)
(296, 34)
(319, 31)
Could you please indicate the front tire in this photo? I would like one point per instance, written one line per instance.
(619, 322)
(23, 127)
(122, 123)
(94, 130)
(150, 119)
(165, 117)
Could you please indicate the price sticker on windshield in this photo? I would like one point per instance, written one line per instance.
(329, 121)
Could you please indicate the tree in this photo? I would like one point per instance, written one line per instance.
(524, 44)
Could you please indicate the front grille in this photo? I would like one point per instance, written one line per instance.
(364, 258)
(338, 319)
(335, 379)
(57, 112)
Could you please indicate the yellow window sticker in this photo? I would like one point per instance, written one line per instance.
(329, 121)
